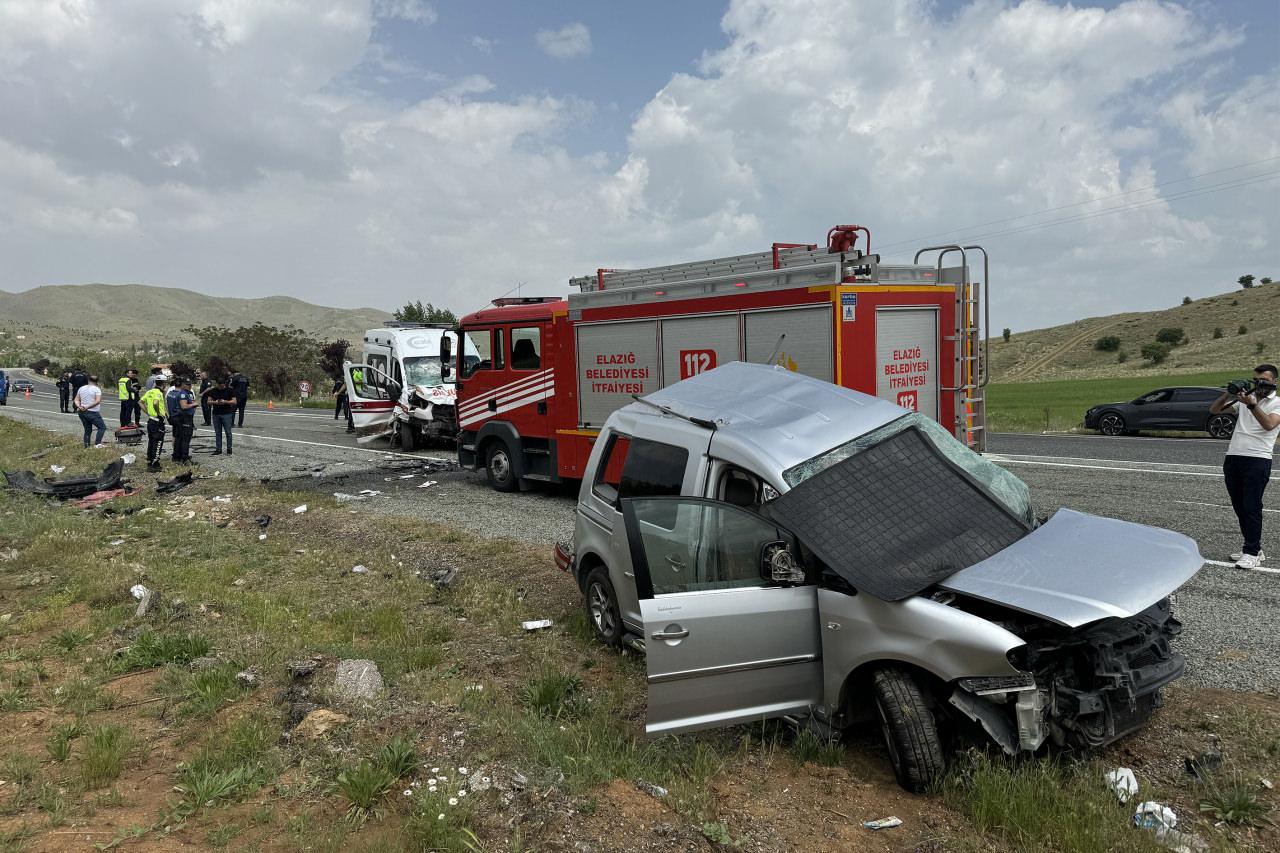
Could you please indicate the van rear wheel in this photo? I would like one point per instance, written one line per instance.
(909, 728)
(498, 468)
(602, 607)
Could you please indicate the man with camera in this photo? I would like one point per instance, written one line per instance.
(1247, 468)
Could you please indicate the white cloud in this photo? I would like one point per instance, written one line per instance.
(415, 11)
(568, 42)
(482, 44)
(254, 164)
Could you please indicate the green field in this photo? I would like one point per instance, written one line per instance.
(1060, 405)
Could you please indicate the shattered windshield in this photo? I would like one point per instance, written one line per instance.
(1005, 487)
(422, 370)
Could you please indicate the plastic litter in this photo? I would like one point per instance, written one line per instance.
(299, 510)
(1123, 783)
(138, 591)
(369, 493)
(1266, 783)
(655, 791)
(261, 536)
(117, 542)
(57, 469)
(883, 823)
(536, 624)
(1161, 820)
(222, 499)
(343, 497)
(360, 570)
(129, 458)
(428, 484)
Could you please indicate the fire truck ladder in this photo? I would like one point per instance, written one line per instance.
(973, 342)
(787, 263)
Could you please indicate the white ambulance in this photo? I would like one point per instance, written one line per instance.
(398, 391)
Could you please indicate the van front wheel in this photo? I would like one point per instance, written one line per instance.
(910, 730)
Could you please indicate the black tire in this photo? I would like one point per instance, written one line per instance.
(1111, 423)
(602, 607)
(498, 467)
(408, 438)
(910, 730)
(1221, 425)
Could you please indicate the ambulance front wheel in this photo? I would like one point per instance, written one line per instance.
(497, 465)
(408, 439)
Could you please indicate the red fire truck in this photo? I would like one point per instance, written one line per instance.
(537, 377)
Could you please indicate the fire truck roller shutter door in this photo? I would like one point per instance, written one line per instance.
(807, 346)
(907, 358)
(615, 361)
(693, 345)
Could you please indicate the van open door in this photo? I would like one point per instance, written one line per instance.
(730, 616)
(373, 398)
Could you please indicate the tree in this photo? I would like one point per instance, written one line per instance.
(273, 359)
(1007, 332)
(215, 367)
(1266, 279)
(416, 312)
(332, 356)
(1243, 330)
(182, 370)
(1186, 300)
(1171, 335)
(1217, 333)
(39, 365)
(1155, 352)
(1107, 343)
(1245, 281)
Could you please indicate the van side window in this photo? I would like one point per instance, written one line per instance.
(477, 352)
(609, 474)
(653, 470)
(526, 348)
(379, 362)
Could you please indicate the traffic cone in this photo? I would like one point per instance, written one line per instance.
(26, 395)
(271, 404)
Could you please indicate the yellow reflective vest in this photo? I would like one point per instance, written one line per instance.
(123, 387)
(153, 403)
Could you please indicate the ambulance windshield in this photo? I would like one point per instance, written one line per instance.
(422, 370)
(1002, 485)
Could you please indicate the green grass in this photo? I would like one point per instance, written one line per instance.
(152, 649)
(1060, 405)
(1235, 801)
(104, 752)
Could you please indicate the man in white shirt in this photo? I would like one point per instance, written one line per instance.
(1247, 467)
(89, 407)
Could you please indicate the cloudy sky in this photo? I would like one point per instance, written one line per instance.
(352, 152)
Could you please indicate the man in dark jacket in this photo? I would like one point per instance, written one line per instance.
(64, 392)
(240, 386)
(79, 379)
(206, 384)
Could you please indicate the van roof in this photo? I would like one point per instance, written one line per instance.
(768, 418)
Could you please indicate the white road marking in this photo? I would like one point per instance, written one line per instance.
(1042, 460)
(1220, 506)
(1233, 565)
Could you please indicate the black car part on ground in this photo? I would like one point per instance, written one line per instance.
(68, 487)
(179, 482)
(1103, 681)
(897, 518)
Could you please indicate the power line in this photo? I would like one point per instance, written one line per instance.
(918, 240)
(1199, 191)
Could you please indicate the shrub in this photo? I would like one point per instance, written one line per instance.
(1266, 279)
(1122, 357)
(104, 755)
(151, 649)
(1258, 348)
(1217, 333)
(1234, 803)
(1243, 330)
(1107, 343)
(364, 785)
(1155, 352)
(1186, 300)
(1245, 281)
(1171, 335)
(1006, 333)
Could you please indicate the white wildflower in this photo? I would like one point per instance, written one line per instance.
(462, 793)
(431, 781)
(485, 779)
(440, 816)
(453, 801)
(435, 769)
(462, 770)
(408, 793)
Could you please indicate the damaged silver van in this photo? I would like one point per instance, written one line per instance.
(783, 547)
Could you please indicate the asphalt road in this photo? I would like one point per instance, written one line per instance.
(1168, 482)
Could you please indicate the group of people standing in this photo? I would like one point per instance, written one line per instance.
(168, 405)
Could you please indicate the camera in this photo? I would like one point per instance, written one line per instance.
(1239, 386)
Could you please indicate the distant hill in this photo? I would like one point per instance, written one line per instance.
(1067, 351)
(119, 314)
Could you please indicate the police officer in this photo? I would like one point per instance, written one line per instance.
(153, 404)
(240, 385)
(64, 392)
(79, 379)
(206, 384)
(128, 389)
(182, 415)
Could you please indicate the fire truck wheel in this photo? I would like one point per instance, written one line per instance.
(497, 465)
(602, 607)
(910, 731)
(408, 439)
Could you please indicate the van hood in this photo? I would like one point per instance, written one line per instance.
(1078, 568)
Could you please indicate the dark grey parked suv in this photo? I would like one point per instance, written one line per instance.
(1164, 409)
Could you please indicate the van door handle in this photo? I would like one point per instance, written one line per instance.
(675, 562)
(678, 634)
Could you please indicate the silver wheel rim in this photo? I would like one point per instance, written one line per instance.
(1111, 425)
(601, 609)
(500, 465)
(1220, 427)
